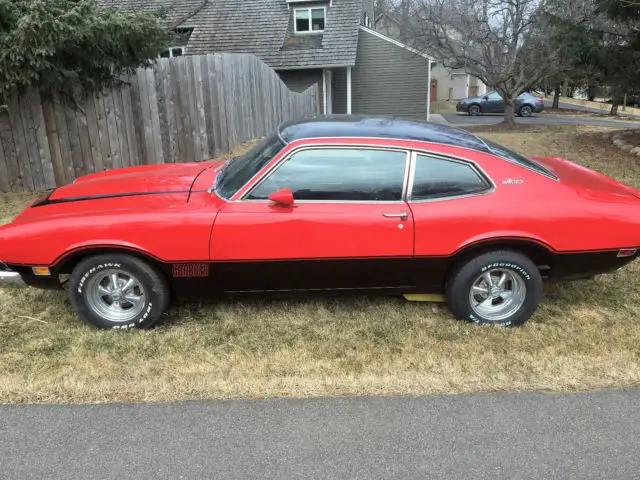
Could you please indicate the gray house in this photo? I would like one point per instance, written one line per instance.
(331, 43)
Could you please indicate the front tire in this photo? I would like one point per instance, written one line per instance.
(115, 291)
(501, 288)
(474, 110)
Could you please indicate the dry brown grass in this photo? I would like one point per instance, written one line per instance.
(585, 335)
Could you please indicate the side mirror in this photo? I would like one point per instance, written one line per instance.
(282, 198)
(485, 98)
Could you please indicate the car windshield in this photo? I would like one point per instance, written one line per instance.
(239, 170)
(511, 156)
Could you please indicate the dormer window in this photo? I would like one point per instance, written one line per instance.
(309, 20)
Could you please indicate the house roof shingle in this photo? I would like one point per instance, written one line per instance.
(261, 27)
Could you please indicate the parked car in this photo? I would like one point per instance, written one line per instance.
(525, 106)
(338, 204)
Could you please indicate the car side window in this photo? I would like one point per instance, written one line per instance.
(436, 178)
(494, 96)
(338, 174)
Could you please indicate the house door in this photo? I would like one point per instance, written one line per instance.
(434, 90)
(473, 91)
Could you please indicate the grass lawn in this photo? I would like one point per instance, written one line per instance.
(585, 335)
(443, 107)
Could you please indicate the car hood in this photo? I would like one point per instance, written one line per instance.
(148, 179)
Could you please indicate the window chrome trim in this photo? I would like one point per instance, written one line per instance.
(488, 151)
(323, 146)
(491, 186)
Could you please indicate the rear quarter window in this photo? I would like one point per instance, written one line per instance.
(436, 178)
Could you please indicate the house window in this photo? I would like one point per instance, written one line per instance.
(172, 52)
(309, 19)
(179, 43)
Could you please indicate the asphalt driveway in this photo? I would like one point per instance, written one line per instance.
(493, 436)
(582, 108)
(494, 119)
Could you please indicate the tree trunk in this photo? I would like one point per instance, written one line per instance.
(509, 114)
(614, 106)
(591, 93)
(565, 88)
(624, 102)
(556, 97)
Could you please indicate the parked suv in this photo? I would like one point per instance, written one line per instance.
(526, 104)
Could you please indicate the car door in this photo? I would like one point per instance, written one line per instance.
(493, 104)
(348, 228)
(449, 199)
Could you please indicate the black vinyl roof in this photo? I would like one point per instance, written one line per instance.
(342, 126)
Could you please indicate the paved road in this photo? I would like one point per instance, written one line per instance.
(464, 119)
(479, 436)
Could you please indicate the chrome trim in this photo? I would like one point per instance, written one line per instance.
(549, 174)
(297, 202)
(323, 146)
(452, 158)
(11, 279)
(402, 215)
(452, 145)
(412, 176)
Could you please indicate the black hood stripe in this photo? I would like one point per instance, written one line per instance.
(49, 201)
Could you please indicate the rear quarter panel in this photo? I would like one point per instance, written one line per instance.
(533, 207)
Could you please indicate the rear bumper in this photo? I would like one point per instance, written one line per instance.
(584, 265)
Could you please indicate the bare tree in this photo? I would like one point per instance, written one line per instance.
(501, 42)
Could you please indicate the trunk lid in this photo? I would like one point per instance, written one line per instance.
(582, 178)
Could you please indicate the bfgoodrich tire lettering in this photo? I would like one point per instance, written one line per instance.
(140, 293)
(510, 303)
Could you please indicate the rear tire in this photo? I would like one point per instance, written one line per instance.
(525, 111)
(501, 288)
(116, 291)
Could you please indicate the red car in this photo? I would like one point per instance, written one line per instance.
(328, 204)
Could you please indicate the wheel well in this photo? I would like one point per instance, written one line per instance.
(69, 262)
(539, 254)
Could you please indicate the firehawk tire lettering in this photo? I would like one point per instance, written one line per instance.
(93, 270)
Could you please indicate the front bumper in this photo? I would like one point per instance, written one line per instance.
(11, 279)
(461, 107)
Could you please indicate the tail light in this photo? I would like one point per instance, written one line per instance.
(540, 100)
(627, 252)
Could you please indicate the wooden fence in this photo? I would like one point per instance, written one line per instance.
(183, 109)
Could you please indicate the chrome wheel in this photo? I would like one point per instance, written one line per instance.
(115, 295)
(497, 294)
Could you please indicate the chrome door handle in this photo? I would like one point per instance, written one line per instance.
(401, 215)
